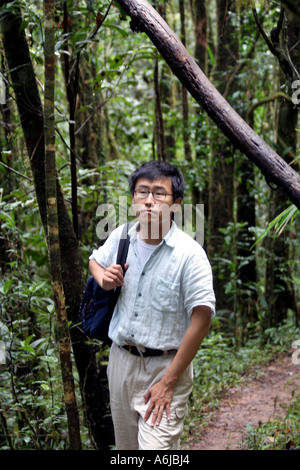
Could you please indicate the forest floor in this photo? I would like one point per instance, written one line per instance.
(259, 401)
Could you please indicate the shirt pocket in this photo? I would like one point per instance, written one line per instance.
(166, 295)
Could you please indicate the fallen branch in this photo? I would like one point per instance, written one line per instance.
(146, 19)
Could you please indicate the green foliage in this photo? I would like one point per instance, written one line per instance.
(30, 379)
(282, 433)
(280, 222)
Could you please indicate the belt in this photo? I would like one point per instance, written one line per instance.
(148, 351)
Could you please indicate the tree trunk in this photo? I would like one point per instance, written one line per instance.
(159, 120)
(222, 164)
(72, 81)
(245, 217)
(184, 95)
(246, 272)
(273, 167)
(7, 183)
(201, 57)
(95, 396)
(88, 135)
(168, 89)
(201, 34)
(62, 329)
(279, 283)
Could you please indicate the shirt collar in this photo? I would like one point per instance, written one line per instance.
(169, 238)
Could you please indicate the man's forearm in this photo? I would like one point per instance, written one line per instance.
(199, 327)
(96, 271)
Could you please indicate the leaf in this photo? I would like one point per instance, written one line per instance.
(37, 342)
(211, 56)
(117, 28)
(49, 359)
(3, 329)
(26, 346)
(7, 285)
(280, 222)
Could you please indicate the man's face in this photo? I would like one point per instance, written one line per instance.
(154, 207)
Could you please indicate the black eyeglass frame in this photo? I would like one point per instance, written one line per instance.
(153, 194)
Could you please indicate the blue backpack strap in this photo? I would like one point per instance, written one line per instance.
(122, 254)
(123, 246)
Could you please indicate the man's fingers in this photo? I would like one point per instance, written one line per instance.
(147, 396)
(157, 415)
(160, 401)
(114, 274)
(116, 269)
(148, 411)
(113, 277)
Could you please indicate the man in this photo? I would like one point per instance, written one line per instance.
(162, 315)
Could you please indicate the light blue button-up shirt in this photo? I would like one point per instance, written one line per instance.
(157, 299)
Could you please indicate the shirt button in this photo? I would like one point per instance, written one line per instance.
(136, 314)
(143, 274)
(132, 335)
(140, 295)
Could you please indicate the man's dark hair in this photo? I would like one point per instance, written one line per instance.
(153, 170)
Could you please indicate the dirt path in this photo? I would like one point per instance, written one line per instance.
(259, 401)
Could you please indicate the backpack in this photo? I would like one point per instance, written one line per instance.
(97, 305)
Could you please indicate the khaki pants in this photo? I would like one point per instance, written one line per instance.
(129, 379)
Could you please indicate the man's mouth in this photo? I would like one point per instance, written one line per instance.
(147, 211)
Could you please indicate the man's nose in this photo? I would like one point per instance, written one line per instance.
(149, 199)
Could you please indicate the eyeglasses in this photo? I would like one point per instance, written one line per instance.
(157, 195)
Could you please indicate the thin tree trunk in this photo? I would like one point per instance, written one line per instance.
(279, 283)
(274, 168)
(72, 90)
(222, 163)
(8, 184)
(245, 218)
(63, 337)
(166, 101)
(247, 293)
(184, 96)
(168, 90)
(200, 28)
(201, 34)
(159, 121)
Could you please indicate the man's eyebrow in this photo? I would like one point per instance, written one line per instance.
(144, 186)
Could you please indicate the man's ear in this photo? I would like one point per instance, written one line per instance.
(177, 203)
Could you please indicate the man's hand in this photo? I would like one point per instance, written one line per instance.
(108, 278)
(161, 396)
(113, 276)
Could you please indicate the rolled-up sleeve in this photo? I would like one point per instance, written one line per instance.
(106, 254)
(197, 283)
